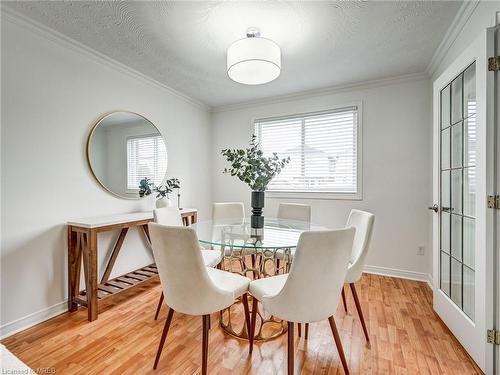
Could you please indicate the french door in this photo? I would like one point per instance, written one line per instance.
(463, 264)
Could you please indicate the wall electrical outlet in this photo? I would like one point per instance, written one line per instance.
(421, 250)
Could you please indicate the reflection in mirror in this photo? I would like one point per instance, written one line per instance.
(124, 148)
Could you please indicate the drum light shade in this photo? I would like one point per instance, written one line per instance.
(253, 61)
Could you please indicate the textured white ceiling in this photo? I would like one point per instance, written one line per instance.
(183, 44)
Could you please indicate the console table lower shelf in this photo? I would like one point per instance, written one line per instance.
(82, 249)
(120, 284)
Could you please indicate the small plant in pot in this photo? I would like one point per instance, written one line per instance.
(147, 187)
(256, 170)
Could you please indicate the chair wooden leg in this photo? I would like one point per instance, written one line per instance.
(336, 337)
(307, 331)
(204, 348)
(159, 306)
(360, 312)
(299, 326)
(253, 321)
(248, 323)
(277, 271)
(291, 349)
(343, 299)
(163, 336)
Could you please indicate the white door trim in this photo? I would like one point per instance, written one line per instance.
(491, 188)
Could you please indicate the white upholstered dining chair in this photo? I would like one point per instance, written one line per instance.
(301, 213)
(363, 222)
(310, 292)
(294, 211)
(189, 286)
(232, 213)
(224, 211)
(172, 216)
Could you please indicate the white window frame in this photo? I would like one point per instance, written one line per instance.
(327, 195)
(135, 190)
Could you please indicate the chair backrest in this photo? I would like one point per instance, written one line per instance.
(186, 284)
(363, 222)
(294, 211)
(228, 211)
(311, 292)
(168, 216)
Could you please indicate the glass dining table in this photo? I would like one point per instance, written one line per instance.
(254, 253)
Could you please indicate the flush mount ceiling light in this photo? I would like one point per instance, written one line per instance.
(253, 60)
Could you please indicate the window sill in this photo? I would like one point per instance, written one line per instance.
(314, 195)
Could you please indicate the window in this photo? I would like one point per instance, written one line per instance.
(323, 148)
(146, 157)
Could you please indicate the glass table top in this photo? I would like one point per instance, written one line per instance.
(238, 233)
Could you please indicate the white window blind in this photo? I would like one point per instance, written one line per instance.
(323, 148)
(146, 157)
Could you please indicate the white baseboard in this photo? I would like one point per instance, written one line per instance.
(401, 274)
(30, 320)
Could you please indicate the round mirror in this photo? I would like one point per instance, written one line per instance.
(123, 148)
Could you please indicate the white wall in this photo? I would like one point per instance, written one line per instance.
(396, 166)
(51, 95)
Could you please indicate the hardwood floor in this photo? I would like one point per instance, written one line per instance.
(406, 338)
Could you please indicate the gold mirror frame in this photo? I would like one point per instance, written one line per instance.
(89, 142)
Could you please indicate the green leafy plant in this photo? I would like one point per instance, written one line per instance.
(252, 167)
(146, 187)
(170, 185)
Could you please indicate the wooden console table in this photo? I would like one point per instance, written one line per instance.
(82, 244)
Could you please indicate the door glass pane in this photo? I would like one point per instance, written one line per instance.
(445, 107)
(469, 229)
(445, 148)
(469, 292)
(470, 192)
(456, 236)
(456, 191)
(445, 273)
(456, 282)
(456, 100)
(470, 90)
(445, 188)
(470, 140)
(445, 232)
(456, 145)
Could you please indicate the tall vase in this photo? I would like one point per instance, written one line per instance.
(257, 220)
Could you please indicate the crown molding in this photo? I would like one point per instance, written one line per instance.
(324, 91)
(456, 27)
(67, 42)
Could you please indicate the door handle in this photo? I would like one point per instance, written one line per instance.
(434, 208)
(447, 209)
